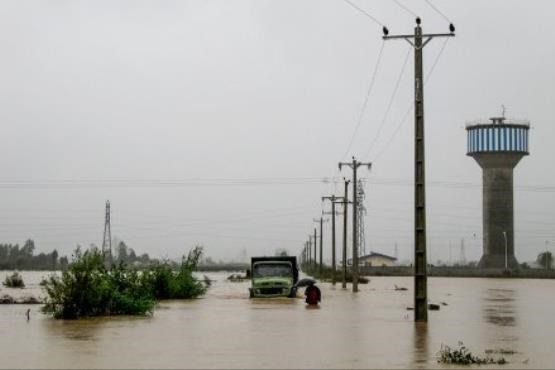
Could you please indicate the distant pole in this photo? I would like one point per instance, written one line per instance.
(420, 264)
(345, 209)
(310, 251)
(506, 256)
(333, 199)
(321, 222)
(355, 165)
(304, 254)
(321, 241)
(315, 247)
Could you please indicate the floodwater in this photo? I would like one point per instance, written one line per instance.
(226, 329)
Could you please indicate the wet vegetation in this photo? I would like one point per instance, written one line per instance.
(89, 287)
(14, 281)
(166, 283)
(463, 356)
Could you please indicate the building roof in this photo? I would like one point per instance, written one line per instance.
(374, 254)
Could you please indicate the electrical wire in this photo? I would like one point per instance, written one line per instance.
(405, 116)
(365, 13)
(437, 10)
(148, 183)
(390, 104)
(363, 109)
(404, 7)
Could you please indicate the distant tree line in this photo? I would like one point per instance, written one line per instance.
(14, 257)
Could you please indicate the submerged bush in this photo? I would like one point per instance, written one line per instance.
(88, 288)
(462, 356)
(165, 283)
(14, 281)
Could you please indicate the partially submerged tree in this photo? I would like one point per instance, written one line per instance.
(14, 280)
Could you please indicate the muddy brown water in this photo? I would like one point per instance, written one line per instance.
(226, 329)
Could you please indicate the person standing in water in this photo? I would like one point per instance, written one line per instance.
(313, 294)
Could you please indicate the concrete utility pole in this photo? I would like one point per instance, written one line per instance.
(321, 221)
(345, 205)
(310, 250)
(315, 247)
(420, 264)
(304, 253)
(333, 199)
(355, 165)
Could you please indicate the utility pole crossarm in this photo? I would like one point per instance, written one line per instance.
(425, 35)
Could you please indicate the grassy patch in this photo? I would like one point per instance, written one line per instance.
(463, 356)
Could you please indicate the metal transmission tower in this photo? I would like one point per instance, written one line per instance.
(361, 210)
(355, 165)
(107, 239)
(420, 264)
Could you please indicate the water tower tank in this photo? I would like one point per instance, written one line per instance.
(498, 146)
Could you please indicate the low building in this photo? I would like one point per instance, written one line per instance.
(377, 260)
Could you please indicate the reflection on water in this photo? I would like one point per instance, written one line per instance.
(226, 329)
(499, 306)
(421, 352)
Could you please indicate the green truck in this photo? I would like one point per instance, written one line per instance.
(274, 277)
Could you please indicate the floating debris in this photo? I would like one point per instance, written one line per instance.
(237, 277)
(500, 351)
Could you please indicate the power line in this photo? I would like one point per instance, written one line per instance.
(437, 10)
(405, 116)
(363, 109)
(390, 104)
(365, 13)
(404, 7)
(55, 184)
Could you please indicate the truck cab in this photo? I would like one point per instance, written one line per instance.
(273, 277)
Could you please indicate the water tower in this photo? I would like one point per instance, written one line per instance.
(498, 146)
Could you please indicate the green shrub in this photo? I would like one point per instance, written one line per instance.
(165, 283)
(14, 281)
(87, 288)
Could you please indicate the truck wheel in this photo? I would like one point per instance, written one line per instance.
(251, 293)
(293, 292)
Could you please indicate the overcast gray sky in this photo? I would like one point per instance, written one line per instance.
(217, 122)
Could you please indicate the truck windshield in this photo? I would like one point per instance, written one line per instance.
(272, 270)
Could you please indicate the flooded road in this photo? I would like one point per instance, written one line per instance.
(226, 329)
